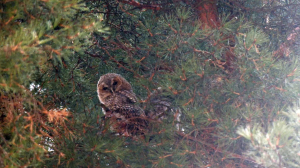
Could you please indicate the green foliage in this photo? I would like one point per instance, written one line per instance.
(217, 80)
(278, 144)
(37, 37)
(213, 94)
(34, 32)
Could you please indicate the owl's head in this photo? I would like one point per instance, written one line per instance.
(111, 83)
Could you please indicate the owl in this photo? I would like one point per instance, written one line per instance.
(116, 94)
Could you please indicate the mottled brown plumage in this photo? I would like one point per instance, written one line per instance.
(116, 94)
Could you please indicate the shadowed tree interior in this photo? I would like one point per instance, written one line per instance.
(218, 81)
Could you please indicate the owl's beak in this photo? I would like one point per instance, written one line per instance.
(112, 91)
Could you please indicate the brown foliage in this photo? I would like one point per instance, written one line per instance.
(25, 122)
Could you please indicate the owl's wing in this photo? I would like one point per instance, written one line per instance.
(130, 111)
(129, 95)
(124, 103)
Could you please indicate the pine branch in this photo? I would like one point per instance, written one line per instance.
(284, 49)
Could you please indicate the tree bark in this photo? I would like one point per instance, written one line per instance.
(208, 13)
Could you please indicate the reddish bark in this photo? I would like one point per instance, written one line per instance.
(208, 13)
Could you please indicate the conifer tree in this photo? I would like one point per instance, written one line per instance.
(222, 76)
(37, 37)
(228, 69)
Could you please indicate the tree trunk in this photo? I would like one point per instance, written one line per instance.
(208, 13)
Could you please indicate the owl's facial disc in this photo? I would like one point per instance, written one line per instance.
(105, 89)
(116, 83)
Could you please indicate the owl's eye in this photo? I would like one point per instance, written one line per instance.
(115, 83)
(105, 88)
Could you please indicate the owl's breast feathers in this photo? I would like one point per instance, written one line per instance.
(131, 119)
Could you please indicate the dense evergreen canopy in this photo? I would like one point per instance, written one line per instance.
(228, 71)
